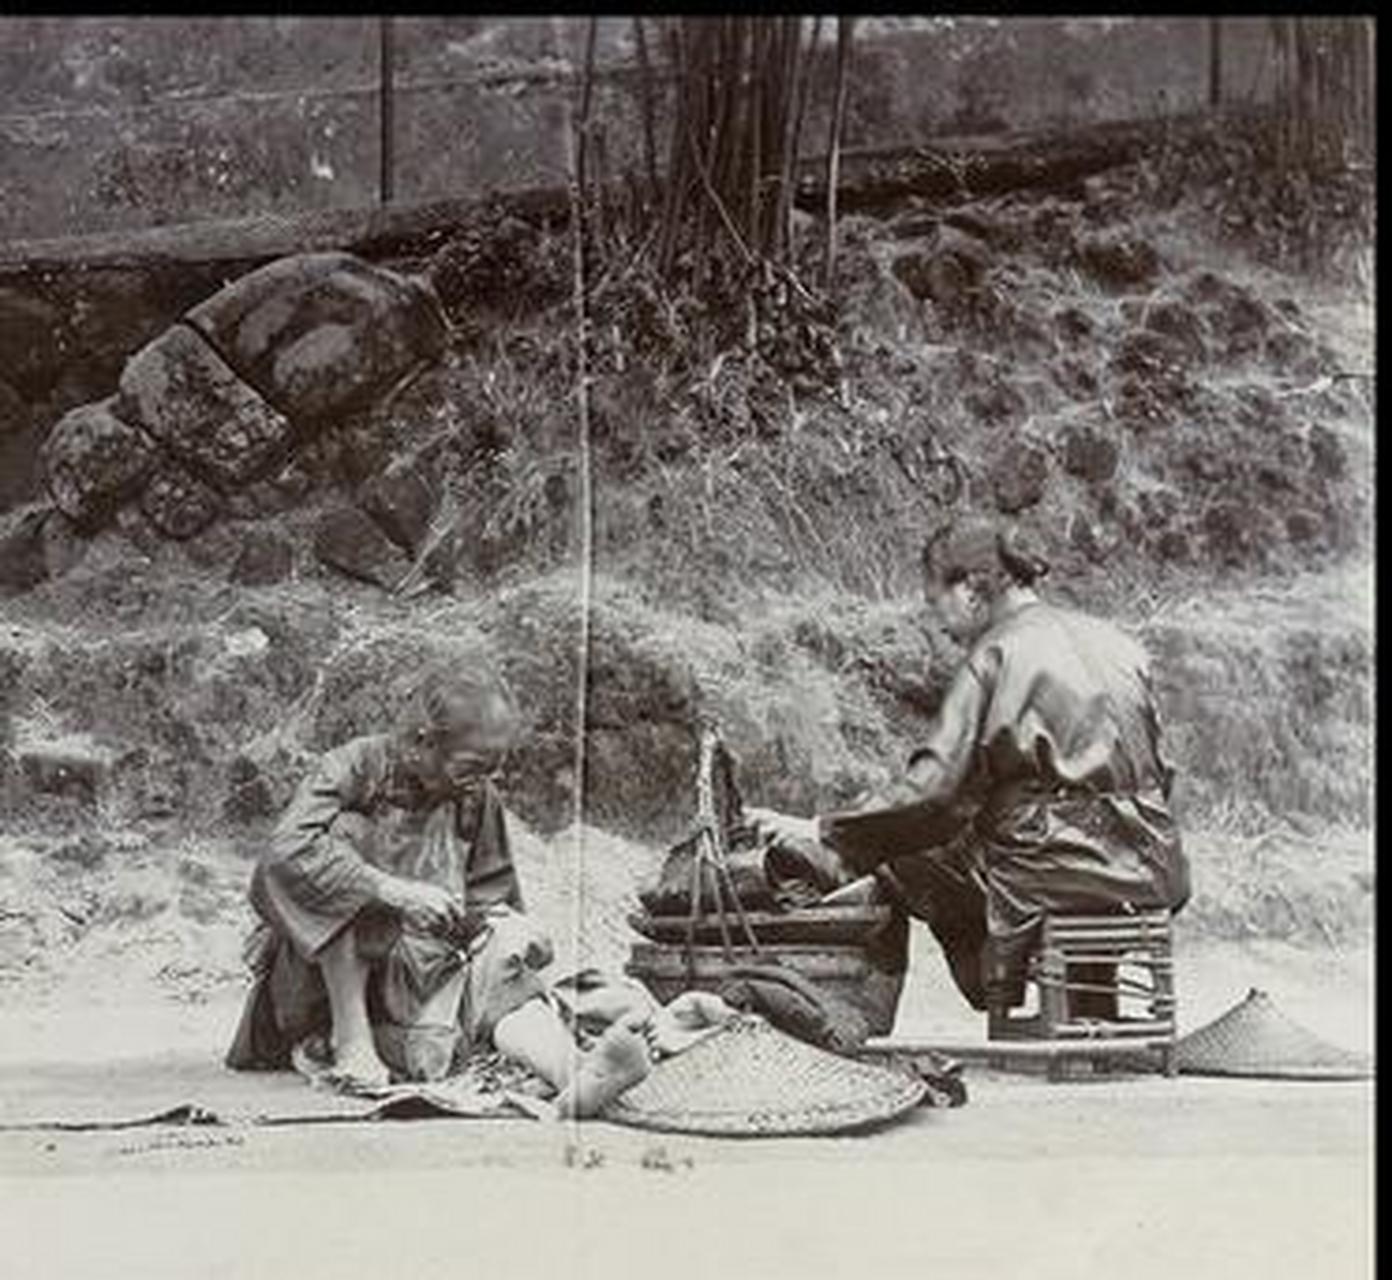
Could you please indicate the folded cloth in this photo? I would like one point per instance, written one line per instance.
(794, 1004)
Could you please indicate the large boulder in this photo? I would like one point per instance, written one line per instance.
(184, 394)
(93, 462)
(320, 334)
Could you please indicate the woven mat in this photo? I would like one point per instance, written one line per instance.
(187, 1088)
(1255, 1038)
(752, 1080)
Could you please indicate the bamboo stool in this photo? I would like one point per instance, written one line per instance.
(1098, 978)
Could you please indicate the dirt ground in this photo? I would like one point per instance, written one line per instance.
(1159, 1177)
(1205, 1177)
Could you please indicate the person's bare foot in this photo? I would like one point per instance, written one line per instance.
(690, 1018)
(617, 1062)
(356, 1066)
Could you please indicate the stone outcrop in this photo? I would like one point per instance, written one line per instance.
(320, 334)
(217, 414)
(94, 461)
(185, 396)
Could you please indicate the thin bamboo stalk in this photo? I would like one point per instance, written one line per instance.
(645, 89)
(843, 46)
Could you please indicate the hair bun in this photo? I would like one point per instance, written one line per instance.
(1021, 555)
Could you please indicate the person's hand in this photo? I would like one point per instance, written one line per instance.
(780, 828)
(424, 908)
(864, 892)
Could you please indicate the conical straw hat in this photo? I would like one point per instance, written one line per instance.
(750, 1079)
(1254, 1038)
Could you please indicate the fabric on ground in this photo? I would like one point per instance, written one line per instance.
(193, 1088)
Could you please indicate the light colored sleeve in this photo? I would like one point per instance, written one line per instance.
(312, 878)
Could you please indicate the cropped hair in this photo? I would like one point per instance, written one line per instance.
(446, 700)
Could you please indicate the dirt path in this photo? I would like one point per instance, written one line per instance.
(1200, 1177)
(1153, 1176)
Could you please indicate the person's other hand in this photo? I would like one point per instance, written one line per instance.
(864, 892)
(425, 908)
(780, 828)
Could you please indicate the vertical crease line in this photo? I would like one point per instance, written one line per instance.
(575, 143)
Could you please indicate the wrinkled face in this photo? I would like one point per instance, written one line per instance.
(462, 758)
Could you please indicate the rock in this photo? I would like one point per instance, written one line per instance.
(1074, 378)
(23, 563)
(1235, 532)
(135, 528)
(266, 557)
(93, 462)
(30, 342)
(1326, 453)
(949, 274)
(1159, 507)
(1074, 324)
(981, 226)
(1018, 478)
(1089, 454)
(495, 261)
(996, 400)
(1235, 317)
(1179, 323)
(1152, 400)
(1148, 354)
(276, 494)
(179, 504)
(916, 224)
(1085, 537)
(402, 500)
(249, 797)
(70, 772)
(1172, 545)
(347, 540)
(64, 544)
(1116, 260)
(320, 334)
(186, 397)
(1304, 526)
(1294, 354)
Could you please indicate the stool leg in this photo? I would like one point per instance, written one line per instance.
(1053, 997)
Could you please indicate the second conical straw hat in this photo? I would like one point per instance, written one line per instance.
(1255, 1038)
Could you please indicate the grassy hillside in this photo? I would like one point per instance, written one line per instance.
(1188, 428)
